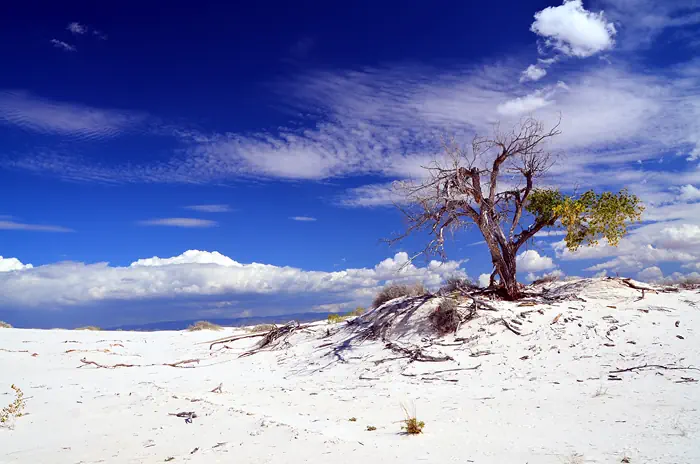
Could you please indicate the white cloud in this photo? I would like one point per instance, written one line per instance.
(521, 105)
(572, 30)
(680, 237)
(12, 264)
(210, 208)
(77, 28)
(63, 45)
(12, 225)
(555, 274)
(200, 275)
(533, 73)
(484, 280)
(650, 274)
(531, 261)
(689, 193)
(43, 116)
(179, 222)
(303, 218)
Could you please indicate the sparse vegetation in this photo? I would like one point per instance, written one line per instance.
(14, 409)
(203, 325)
(371, 428)
(262, 328)
(337, 318)
(445, 319)
(353, 419)
(411, 425)
(89, 327)
(456, 283)
(392, 291)
(547, 278)
(5, 325)
(600, 392)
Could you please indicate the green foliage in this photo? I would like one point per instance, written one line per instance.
(15, 408)
(336, 318)
(587, 218)
(413, 426)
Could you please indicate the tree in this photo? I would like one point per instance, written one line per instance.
(493, 188)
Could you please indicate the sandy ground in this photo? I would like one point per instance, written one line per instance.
(545, 396)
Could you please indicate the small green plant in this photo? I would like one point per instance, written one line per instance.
(89, 327)
(336, 318)
(353, 419)
(15, 408)
(411, 425)
(371, 428)
(203, 325)
(359, 311)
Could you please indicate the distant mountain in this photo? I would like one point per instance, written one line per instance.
(230, 322)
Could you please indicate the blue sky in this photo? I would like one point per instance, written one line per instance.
(270, 134)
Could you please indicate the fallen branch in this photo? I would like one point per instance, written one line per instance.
(103, 366)
(655, 366)
(272, 338)
(233, 339)
(452, 370)
(510, 327)
(417, 354)
(179, 364)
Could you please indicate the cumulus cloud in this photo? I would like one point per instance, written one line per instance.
(12, 264)
(179, 222)
(680, 237)
(555, 274)
(689, 193)
(484, 280)
(205, 276)
(63, 45)
(533, 73)
(303, 218)
(572, 30)
(650, 274)
(210, 208)
(12, 225)
(531, 261)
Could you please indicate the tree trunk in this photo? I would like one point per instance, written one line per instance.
(505, 265)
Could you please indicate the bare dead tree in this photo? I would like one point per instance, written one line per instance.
(488, 188)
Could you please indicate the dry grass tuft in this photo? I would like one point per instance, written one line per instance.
(89, 327)
(5, 325)
(546, 279)
(14, 409)
(411, 425)
(262, 328)
(445, 319)
(392, 291)
(454, 284)
(203, 325)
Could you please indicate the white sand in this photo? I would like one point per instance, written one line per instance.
(294, 405)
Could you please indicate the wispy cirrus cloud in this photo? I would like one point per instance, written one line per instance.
(13, 225)
(179, 222)
(77, 28)
(33, 113)
(63, 45)
(303, 218)
(215, 208)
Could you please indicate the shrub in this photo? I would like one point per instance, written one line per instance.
(89, 327)
(353, 419)
(371, 428)
(547, 278)
(15, 408)
(411, 425)
(445, 319)
(359, 311)
(456, 283)
(689, 283)
(336, 318)
(392, 291)
(203, 325)
(262, 328)
(5, 325)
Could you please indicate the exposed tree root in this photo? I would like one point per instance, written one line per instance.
(275, 337)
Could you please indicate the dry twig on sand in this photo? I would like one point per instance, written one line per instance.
(655, 366)
(179, 364)
(275, 337)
